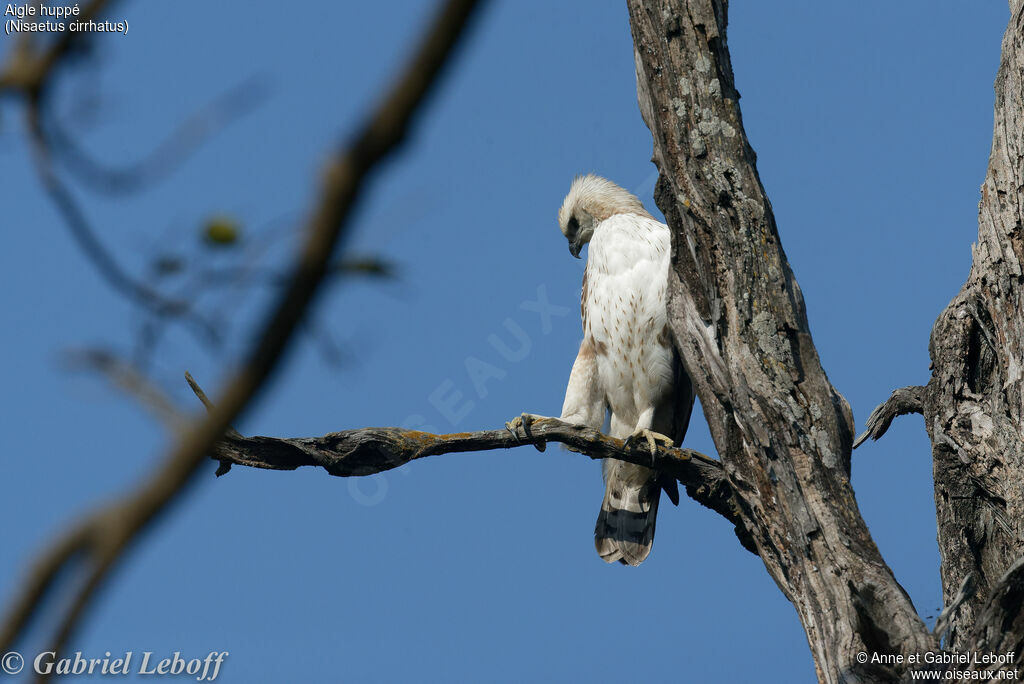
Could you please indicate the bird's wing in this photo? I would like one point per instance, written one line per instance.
(683, 402)
(682, 408)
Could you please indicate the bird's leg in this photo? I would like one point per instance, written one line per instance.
(643, 431)
(523, 421)
(652, 438)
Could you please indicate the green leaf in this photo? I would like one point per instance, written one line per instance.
(221, 231)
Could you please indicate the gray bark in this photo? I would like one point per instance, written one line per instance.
(783, 432)
(973, 403)
(371, 450)
(902, 401)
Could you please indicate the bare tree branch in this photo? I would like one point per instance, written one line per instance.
(901, 402)
(132, 382)
(90, 244)
(29, 73)
(370, 450)
(225, 464)
(974, 400)
(41, 578)
(366, 451)
(739, 321)
(167, 156)
(783, 431)
(110, 530)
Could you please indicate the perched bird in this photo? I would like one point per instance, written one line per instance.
(626, 363)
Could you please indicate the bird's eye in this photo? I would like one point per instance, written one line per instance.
(573, 226)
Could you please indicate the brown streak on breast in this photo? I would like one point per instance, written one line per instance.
(587, 348)
(583, 300)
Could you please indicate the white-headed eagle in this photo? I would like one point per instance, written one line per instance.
(626, 363)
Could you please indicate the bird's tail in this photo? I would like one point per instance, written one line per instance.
(625, 525)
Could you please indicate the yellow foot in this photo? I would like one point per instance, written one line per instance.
(524, 421)
(652, 438)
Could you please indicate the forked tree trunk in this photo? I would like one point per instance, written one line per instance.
(974, 404)
(783, 432)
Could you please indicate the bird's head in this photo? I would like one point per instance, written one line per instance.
(593, 199)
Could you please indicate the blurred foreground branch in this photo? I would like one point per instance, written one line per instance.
(30, 73)
(101, 538)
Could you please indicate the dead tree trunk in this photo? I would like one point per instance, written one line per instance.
(783, 432)
(973, 405)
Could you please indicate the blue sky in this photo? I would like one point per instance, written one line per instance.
(872, 124)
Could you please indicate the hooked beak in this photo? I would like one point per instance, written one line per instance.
(575, 247)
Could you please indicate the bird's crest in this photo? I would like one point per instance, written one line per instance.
(598, 197)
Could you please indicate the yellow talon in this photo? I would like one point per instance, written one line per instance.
(524, 421)
(652, 438)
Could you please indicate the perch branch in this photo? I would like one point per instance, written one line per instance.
(366, 451)
(902, 401)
